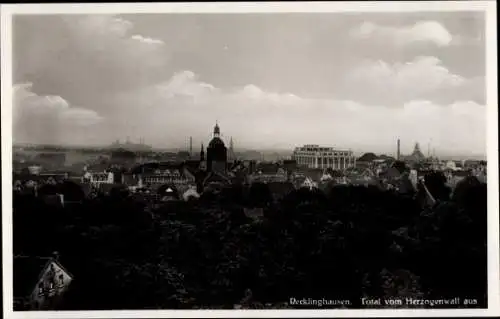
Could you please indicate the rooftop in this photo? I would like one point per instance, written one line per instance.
(26, 271)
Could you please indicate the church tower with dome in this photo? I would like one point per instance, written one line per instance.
(216, 153)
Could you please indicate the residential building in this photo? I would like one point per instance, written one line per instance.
(191, 192)
(315, 156)
(360, 177)
(454, 177)
(96, 179)
(166, 174)
(39, 282)
(309, 183)
(269, 172)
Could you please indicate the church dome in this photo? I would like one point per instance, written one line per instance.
(216, 142)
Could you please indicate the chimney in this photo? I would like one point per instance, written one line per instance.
(190, 146)
(398, 154)
(55, 255)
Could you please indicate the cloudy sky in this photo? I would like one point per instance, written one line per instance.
(358, 81)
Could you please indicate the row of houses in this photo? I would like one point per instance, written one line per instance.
(187, 177)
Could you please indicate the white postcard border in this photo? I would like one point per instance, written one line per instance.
(489, 7)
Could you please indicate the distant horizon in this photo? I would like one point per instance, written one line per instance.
(357, 152)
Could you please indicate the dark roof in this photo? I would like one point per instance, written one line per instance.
(424, 171)
(267, 168)
(335, 173)
(27, 271)
(472, 162)
(216, 143)
(152, 166)
(461, 173)
(98, 167)
(214, 177)
(313, 173)
(392, 172)
(367, 157)
(386, 157)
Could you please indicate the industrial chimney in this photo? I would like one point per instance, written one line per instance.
(190, 146)
(398, 154)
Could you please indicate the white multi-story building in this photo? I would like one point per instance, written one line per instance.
(98, 178)
(315, 156)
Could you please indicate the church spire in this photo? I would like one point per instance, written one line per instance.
(216, 130)
(202, 153)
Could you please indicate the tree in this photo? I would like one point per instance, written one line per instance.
(346, 243)
(436, 184)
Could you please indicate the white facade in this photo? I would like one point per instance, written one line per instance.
(97, 178)
(53, 282)
(315, 156)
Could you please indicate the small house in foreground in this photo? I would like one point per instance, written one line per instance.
(39, 282)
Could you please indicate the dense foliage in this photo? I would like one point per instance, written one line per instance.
(347, 243)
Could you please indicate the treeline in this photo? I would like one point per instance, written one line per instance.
(345, 243)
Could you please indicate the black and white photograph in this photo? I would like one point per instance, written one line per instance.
(244, 157)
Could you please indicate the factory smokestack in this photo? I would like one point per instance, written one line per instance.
(398, 153)
(190, 146)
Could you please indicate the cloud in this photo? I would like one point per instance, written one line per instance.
(88, 57)
(140, 38)
(420, 32)
(47, 119)
(184, 83)
(259, 119)
(107, 27)
(424, 77)
(111, 38)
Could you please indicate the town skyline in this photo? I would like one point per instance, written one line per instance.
(283, 152)
(353, 81)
